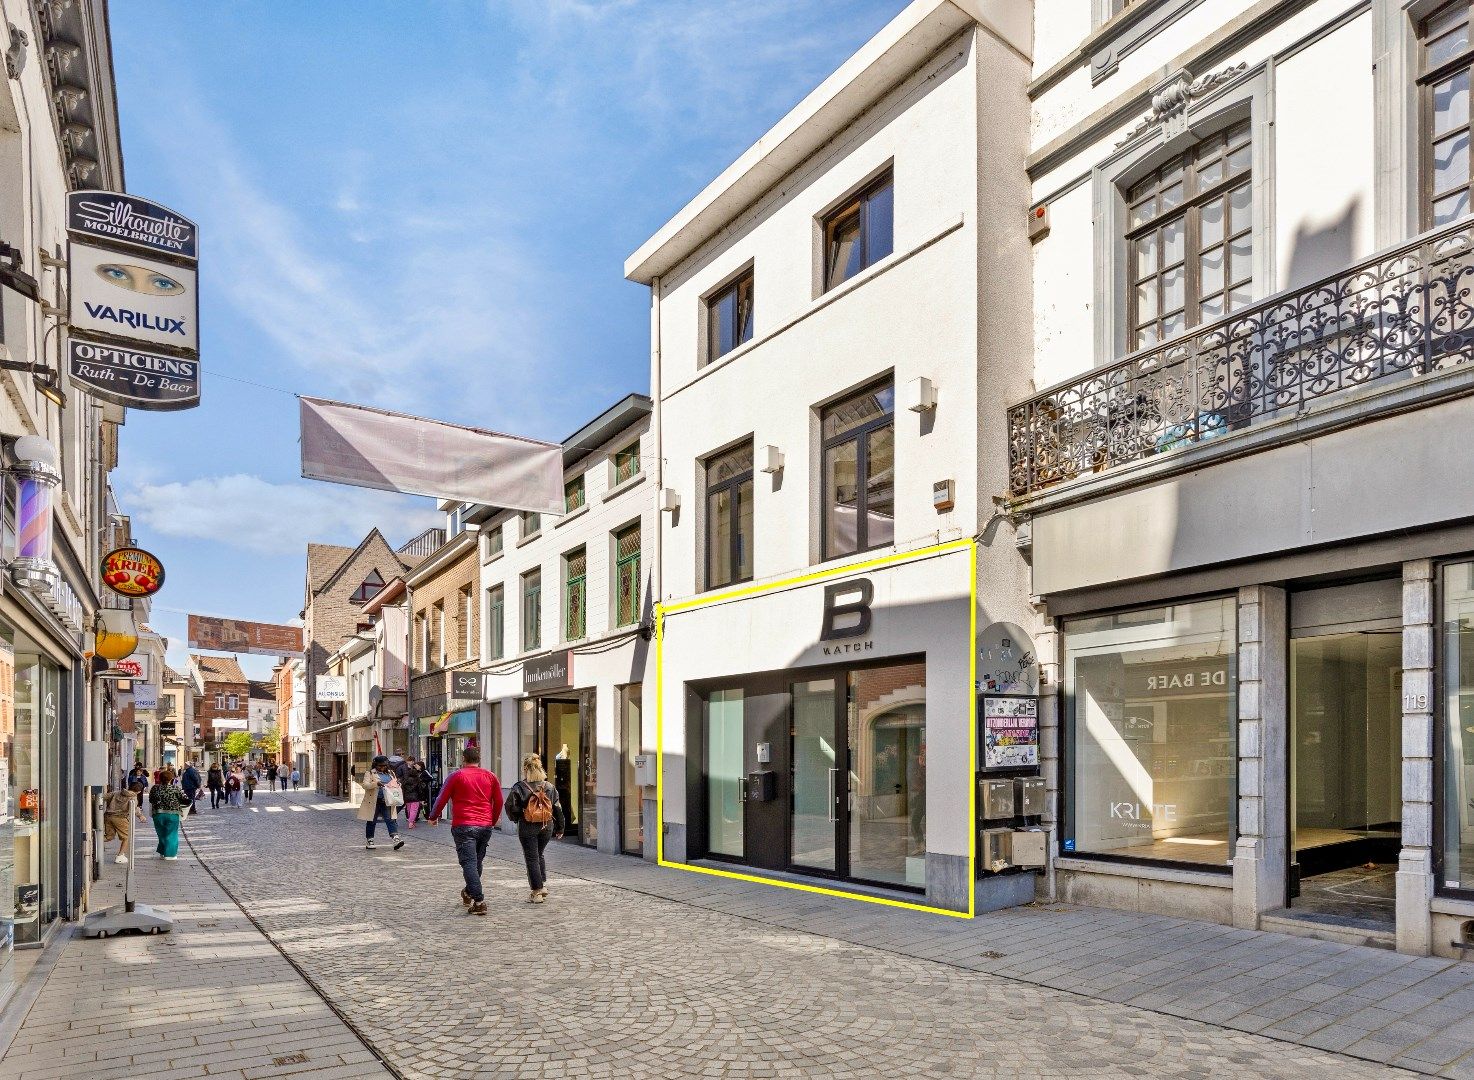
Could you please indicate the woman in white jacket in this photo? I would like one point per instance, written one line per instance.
(377, 803)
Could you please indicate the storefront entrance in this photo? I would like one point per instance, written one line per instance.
(1345, 766)
(822, 776)
(566, 743)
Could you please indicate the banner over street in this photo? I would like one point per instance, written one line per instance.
(364, 447)
(210, 634)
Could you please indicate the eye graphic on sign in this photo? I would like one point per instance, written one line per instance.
(138, 279)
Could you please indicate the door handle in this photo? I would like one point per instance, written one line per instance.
(833, 796)
(742, 787)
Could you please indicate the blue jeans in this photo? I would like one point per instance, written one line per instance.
(471, 843)
(381, 811)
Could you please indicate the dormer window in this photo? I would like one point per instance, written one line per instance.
(369, 589)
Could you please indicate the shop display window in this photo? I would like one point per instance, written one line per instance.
(1457, 654)
(1150, 718)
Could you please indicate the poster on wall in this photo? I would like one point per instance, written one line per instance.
(1010, 732)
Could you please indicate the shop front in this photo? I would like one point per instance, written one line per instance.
(822, 730)
(443, 737)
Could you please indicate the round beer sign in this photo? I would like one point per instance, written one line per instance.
(131, 571)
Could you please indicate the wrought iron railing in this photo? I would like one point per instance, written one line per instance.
(1409, 311)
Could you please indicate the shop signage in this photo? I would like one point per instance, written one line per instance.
(240, 636)
(331, 687)
(137, 380)
(466, 686)
(131, 297)
(145, 695)
(847, 611)
(553, 672)
(1177, 678)
(113, 217)
(1010, 732)
(134, 667)
(1007, 663)
(131, 571)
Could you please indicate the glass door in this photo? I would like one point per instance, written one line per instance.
(632, 828)
(816, 779)
(886, 804)
(562, 751)
(724, 773)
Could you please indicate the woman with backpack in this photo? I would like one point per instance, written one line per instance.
(251, 782)
(215, 781)
(382, 798)
(534, 805)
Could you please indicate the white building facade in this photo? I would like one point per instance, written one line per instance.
(831, 322)
(1250, 516)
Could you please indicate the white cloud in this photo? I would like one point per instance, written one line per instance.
(276, 519)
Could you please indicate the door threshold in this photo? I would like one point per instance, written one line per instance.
(905, 896)
(1339, 928)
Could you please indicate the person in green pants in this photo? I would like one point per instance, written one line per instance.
(168, 801)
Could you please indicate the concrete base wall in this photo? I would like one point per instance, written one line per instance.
(946, 881)
(608, 809)
(1148, 895)
(651, 849)
(1000, 891)
(675, 841)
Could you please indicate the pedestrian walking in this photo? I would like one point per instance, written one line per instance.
(416, 793)
(296, 778)
(117, 816)
(475, 797)
(382, 798)
(282, 775)
(169, 803)
(215, 781)
(251, 785)
(234, 782)
(534, 805)
(191, 782)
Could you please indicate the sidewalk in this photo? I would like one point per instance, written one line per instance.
(1414, 1012)
(213, 998)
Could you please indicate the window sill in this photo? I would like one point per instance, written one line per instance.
(623, 486)
(572, 515)
(489, 559)
(529, 538)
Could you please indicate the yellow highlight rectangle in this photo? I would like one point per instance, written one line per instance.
(661, 610)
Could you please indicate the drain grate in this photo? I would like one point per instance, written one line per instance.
(290, 1059)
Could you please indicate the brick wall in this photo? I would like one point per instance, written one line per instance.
(331, 619)
(449, 586)
(206, 712)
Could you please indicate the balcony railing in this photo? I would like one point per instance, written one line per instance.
(1406, 312)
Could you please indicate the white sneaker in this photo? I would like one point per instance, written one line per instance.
(369, 845)
(170, 858)
(121, 860)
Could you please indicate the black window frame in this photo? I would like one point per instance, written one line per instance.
(859, 434)
(858, 206)
(733, 485)
(743, 319)
(1459, 63)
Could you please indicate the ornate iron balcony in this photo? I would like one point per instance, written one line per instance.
(1406, 312)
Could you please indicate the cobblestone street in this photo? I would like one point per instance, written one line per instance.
(605, 980)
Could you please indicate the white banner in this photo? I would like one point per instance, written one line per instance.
(332, 688)
(363, 447)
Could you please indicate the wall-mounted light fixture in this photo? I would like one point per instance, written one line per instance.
(35, 480)
(46, 380)
(670, 500)
(919, 395)
(771, 458)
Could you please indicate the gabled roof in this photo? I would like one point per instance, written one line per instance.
(219, 668)
(260, 690)
(406, 562)
(322, 561)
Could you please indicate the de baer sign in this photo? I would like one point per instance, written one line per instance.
(133, 305)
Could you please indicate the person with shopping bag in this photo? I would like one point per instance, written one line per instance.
(169, 802)
(382, 798)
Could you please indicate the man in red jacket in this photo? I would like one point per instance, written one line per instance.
(475, 797)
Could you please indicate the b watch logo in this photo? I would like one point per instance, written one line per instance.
(850, 618)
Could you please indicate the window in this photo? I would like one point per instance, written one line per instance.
(627, 462)
(491, 542)
(232, 701)
(422, 635)
(573, 495)
(1447, 60)
(532, 523)
(627, 575)
(729, 317)
(575, 594)
(440, 645)
(1457, 644)
(220, 701)
(859, 448)
(369, 589)
(496, 622)
(729, 517)
(1150, 722)
(464, 631)
(859, 233)
(532, 610)
(1190, 238)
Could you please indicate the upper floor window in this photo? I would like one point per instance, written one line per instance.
(1190, 238)
(729, 317)
(859, 448)
(464, 631)
(369, 589)
(729, 516)
(573, 495)
(1447, 60)
(440, 645)
(532, 610)
(627, 462)
(491, 542)
(859, 233)
(496, 622)
(532, 523)
(422, 635)
(232, 701)
(220, 701)
(575, 594)
(627, 575)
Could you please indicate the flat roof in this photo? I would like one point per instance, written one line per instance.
(880, 64)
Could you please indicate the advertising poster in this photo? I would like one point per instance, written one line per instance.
(1010, 732)
(209, 634)
(133, 297)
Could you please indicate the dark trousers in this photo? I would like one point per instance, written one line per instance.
(217, 796)
(533, 844)
(191, 794)
(283, 783)
(470, 841)
(390, 819)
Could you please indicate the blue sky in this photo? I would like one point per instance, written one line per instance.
(423, 206)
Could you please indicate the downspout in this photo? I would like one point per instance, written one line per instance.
(657, 573)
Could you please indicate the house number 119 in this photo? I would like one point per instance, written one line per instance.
(1414, 702)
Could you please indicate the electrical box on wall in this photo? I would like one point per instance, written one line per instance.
(645, 770)
(1030, 796)
(1027, 847)
(997, 799)
(942, 498)
(762, 785)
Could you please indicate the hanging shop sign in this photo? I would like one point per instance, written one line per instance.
(553, 672)
(1007, 662)
(133, 572)
(133, 301)
(332, 688)
(145, 695)
(467, 686)
(1010, 735)
(137, 380)
(134, 667)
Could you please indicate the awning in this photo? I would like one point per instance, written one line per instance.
(457, 722)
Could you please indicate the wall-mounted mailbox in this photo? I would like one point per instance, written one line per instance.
(645, 770)
(995, 849)
(1031, 796)
(997, 799)
(1028, 847)
(762, 785)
